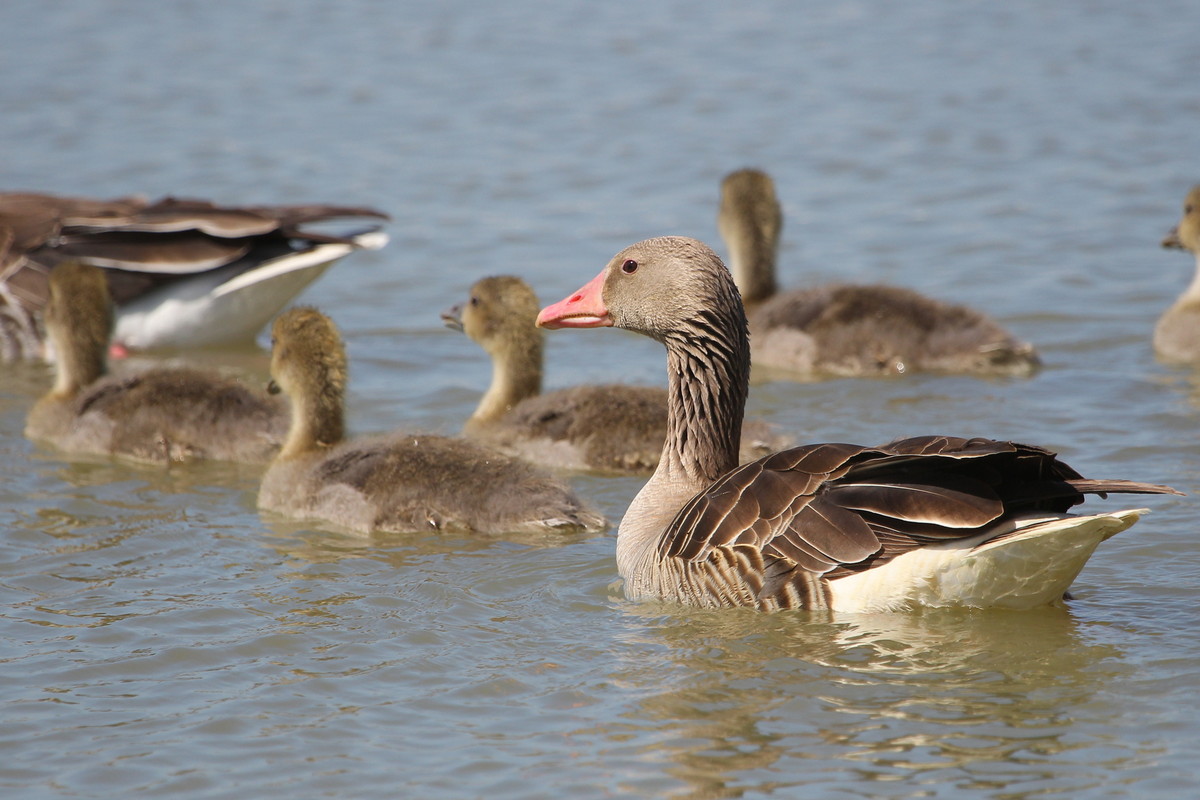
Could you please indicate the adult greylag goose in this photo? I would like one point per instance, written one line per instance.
(159, 415)
(935, 520)
(183, 273)
(1177, 334)
(848, 329)
(399, 482)
(614, 428)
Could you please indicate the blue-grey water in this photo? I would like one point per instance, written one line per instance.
(160, 638)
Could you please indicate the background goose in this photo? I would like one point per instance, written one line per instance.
(610, 427)
(925, 521)
(848, 329)
(396, 483)
(159, 415)
(183, 273)
(1177, 334)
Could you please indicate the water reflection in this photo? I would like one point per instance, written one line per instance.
(986, 700)
(306, 545)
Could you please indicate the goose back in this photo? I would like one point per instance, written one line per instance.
(875, 329)
(409, 483)
(162, 416)
(782, 531)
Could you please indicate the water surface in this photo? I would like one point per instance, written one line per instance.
(161, 638)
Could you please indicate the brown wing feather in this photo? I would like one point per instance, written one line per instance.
(944, 499)
(822, 535)
(183, 252)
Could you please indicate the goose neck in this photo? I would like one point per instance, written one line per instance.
(706, 397)
(708, 372)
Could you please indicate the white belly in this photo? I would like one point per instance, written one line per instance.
(1031, 568)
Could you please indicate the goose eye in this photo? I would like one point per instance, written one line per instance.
(474, 300)
(629, 267)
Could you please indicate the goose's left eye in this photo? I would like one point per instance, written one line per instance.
(629, 267)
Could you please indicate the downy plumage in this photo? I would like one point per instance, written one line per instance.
(158, 415)
(1177, 334)
(848, 329)
(615, 428)
(400, 482)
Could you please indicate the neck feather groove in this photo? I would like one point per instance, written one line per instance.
(708, 369)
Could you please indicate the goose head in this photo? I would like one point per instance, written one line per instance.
(665, 288)
(498, 315)
(1186, 235)
(308, 363)
(750, 220)
(79, 320)
(677, 291)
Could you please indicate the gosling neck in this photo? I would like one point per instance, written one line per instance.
(78, 365)
(516, 375)
(1191, 295)
(318, 422)
(752, 254)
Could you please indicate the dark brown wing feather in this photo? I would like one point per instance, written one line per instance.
(181, 252)
(943, 499)
(823, 535)
(839, 507)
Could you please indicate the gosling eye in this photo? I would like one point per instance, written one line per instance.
(474, 300)
(629, 267)
(1187, 209)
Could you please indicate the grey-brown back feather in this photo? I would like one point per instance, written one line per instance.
(616, 427)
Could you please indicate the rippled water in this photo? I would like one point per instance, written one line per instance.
(161, 638)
